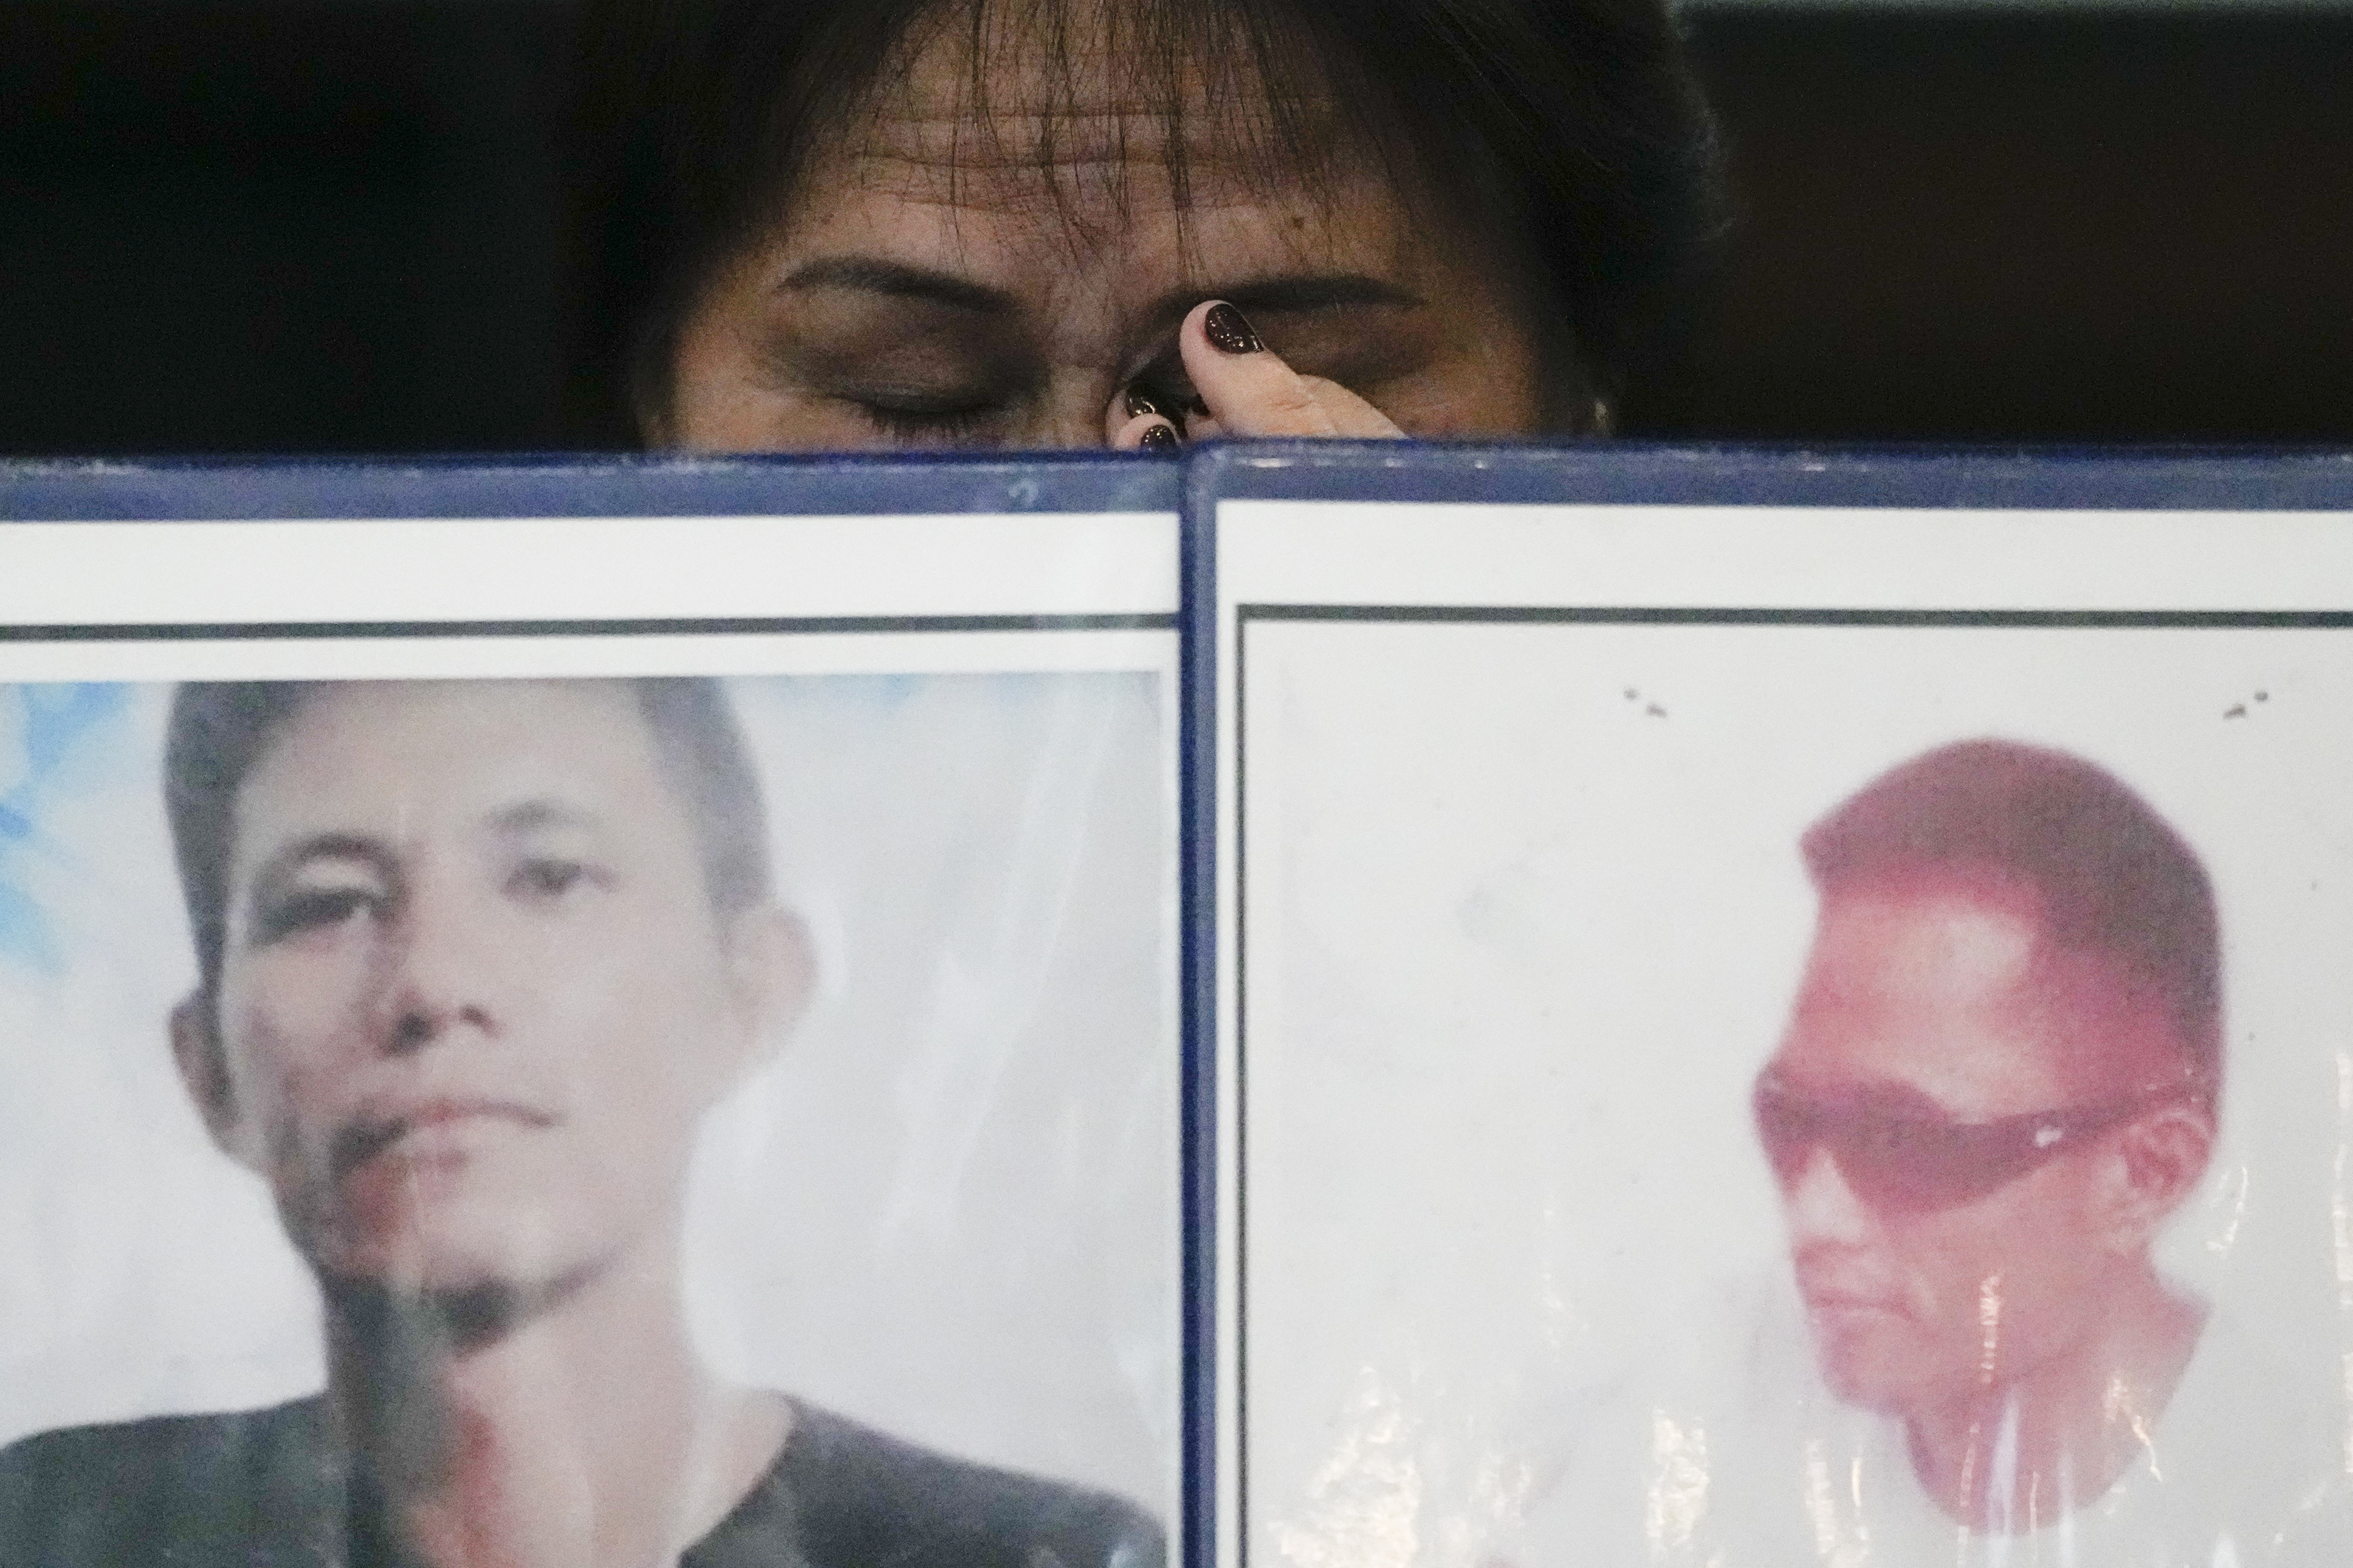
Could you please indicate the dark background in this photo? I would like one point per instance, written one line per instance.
(300, 226)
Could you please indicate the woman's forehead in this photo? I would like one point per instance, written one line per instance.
(1010, 101)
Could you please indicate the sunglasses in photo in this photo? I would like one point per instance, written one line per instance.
(1903, 1159)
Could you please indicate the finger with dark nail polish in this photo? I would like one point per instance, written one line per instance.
(1137, 403)
(1160, 438)
(1229, 330)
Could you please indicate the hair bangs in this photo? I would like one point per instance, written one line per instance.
(1087, 111)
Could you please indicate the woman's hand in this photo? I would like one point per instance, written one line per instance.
(1244, 389)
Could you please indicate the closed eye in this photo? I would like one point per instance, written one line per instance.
(916, 417)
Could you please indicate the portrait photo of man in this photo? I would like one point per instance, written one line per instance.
(1999, 1081)
(1820, 1096)
(476, 962)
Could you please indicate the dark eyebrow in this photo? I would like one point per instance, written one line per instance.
(900, 282)
(530, 815)
(1290, 291)
(1276, 295)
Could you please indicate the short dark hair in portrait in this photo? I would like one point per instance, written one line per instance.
(2109, 876)
(218, 730)
(1570, 131)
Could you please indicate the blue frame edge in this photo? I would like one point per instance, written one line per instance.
(1637, 473)
(577, 486)
(1197, 1010)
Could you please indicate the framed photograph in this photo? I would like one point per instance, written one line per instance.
(621, 1010)
(1773, 1008)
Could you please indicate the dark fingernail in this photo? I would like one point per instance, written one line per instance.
(1231, 330)
(1137, 403)
(1160, 438)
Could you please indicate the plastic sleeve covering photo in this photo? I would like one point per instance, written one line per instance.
(664, 1121)
(1776, 1094)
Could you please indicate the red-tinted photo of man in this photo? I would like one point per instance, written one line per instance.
(1999, 1078)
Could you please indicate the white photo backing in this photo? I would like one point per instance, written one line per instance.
(1514, 912)
(945, 1205)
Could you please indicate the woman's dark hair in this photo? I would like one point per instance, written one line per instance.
(1571, 128)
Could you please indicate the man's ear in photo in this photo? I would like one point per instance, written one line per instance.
(203, 1071)
(2161, 1159)
(772, 967)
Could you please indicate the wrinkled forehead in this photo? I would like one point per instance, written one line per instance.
(1090, 114)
